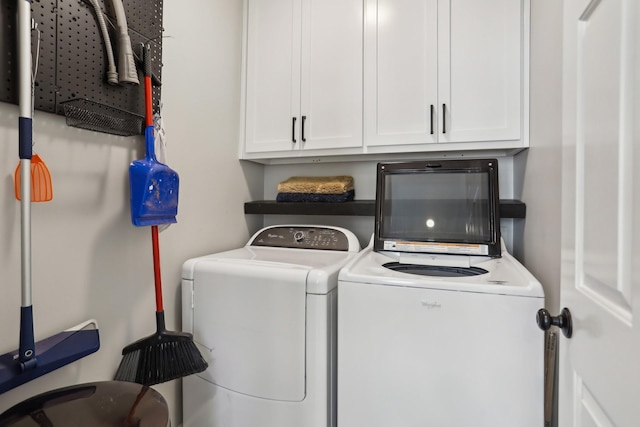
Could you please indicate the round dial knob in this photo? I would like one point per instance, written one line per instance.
(298, 236)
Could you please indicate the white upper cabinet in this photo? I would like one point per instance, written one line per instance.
(480, 66)
(401, 72)
(325, 79)
(272, 83)
(446, 71)
(303, 70)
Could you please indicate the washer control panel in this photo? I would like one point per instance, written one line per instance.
(325, 238)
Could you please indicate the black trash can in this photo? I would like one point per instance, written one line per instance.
(98, 404)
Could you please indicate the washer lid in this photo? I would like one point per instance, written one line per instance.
(251, 318)
(505, 276)
(438, 206)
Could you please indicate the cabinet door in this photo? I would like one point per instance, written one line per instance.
(273, 74)
(401, 72)
(331, 92)
(480, 69)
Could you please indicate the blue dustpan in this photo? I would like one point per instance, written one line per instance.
(154, 188)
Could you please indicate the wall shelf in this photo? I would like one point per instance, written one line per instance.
(508, 208)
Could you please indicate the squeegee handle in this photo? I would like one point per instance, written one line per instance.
(156, 268)
(26, 352)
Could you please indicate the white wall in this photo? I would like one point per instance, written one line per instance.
(88, 260)
(540, 167)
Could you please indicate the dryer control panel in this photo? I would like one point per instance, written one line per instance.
(325, 238)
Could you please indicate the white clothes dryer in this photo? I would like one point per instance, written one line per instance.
(264, 318)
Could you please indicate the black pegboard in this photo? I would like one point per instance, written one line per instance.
(72, 59)
(8, 52)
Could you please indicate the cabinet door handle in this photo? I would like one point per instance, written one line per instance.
(444, 118)
(304, 119)
(293, 130)
(431, 117)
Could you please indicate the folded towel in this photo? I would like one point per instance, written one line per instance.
(316, 184)
(315, 197)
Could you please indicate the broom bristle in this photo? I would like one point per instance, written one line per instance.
(160, 361)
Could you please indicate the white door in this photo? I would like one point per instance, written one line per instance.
(600, 365)
(331, 91)
(273, 75)
(401, 65)
(480, 69)
(444, 71)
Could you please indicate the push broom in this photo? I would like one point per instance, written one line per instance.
(165, 355)
(34, 359)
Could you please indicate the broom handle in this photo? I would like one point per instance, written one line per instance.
(156, 268)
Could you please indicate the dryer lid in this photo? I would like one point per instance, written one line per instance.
(324, 265)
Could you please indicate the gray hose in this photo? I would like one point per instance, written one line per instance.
(126, 60)
(112, 74)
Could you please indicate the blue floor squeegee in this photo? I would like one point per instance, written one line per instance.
(34, 359)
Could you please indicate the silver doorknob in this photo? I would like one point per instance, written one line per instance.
(562, 321)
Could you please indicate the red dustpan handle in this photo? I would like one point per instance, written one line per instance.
(156, 267)
(148, 102)
(150, 149)
(146, 62)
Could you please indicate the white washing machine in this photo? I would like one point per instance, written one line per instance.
(436, 321)
(264, 318)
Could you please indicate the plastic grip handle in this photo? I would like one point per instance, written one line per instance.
(27, 342)
(25, 138)
(146, 59)
(149, 143)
